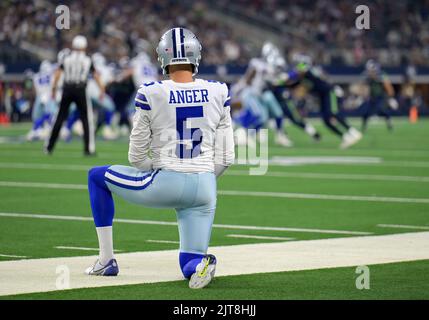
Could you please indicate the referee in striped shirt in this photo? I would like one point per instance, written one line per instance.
(76, 67)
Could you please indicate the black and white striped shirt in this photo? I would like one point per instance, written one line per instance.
(76, 67)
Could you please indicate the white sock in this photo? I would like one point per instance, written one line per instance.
(311, 131)
(105, 242)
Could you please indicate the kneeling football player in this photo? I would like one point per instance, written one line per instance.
(184, 124)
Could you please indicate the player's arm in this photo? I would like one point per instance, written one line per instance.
(57, 75)
(388, 87)
(224, 140)
(100, 83)
(97, 79)
(289, 78)
(249, 75)
(125, 74)
(140, 138)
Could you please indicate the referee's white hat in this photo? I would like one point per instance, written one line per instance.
(79, 43)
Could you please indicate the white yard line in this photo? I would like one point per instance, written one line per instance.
(41, 275)
(248, 236)
(302, 175)
(43, 166)
(306, 160)
(290, 195)
(403, 226)
(170, 223)
(12, 256)
(330, 176)
(79, 248)
(293, 195)
(162, 241)
(46, 185)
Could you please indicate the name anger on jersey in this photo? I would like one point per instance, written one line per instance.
(189, 96)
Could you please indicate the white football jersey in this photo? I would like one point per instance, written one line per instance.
(185, 127)
(106, 76)
(143, 70)
(43, 86)
(262, 73)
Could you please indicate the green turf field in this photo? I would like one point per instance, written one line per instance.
(386, 196)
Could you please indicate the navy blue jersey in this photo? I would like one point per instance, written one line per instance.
(313, 81)
(376, 84)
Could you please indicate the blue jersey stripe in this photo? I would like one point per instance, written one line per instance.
(141, 96)
(143, 106)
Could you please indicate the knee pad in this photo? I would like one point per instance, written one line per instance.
(188, 263)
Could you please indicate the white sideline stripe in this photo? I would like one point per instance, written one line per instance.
(44, 166)
(170, 223)
(12, 256)
(39, 275)
(43, 185)
(162, 241)
(80, 248)
(335, 176)
(290, 195)
(305, 160)
(403, 226)
(387, 163)
(321, 196)
(248, 236)
(305, 175)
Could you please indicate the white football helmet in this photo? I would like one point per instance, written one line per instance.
(179, 46)
(79, 42)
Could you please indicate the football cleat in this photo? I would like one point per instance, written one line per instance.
(110, 269)
(32, 136)
(355, 133)
(350, 138)
(283, 140)
(204, 272)
(109, 133)
(65, 134)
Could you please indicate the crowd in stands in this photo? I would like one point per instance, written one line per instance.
(398, 34)
(115, 27)
(399, 31)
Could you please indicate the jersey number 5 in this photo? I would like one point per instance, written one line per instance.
(185, 135)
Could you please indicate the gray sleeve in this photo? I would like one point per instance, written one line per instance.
(224, 139)
(140, 139)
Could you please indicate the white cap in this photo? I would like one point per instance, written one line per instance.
(79, 43)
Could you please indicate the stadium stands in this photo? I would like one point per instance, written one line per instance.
(325, 26)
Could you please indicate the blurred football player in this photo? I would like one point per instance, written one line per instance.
(141, 70)
(44, 106)
(105, 106)
(381, 95)
(285, 98)
(303, 73)
(257, 98)
(181, 140)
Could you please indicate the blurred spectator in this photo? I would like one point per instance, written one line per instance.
(325, 28)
